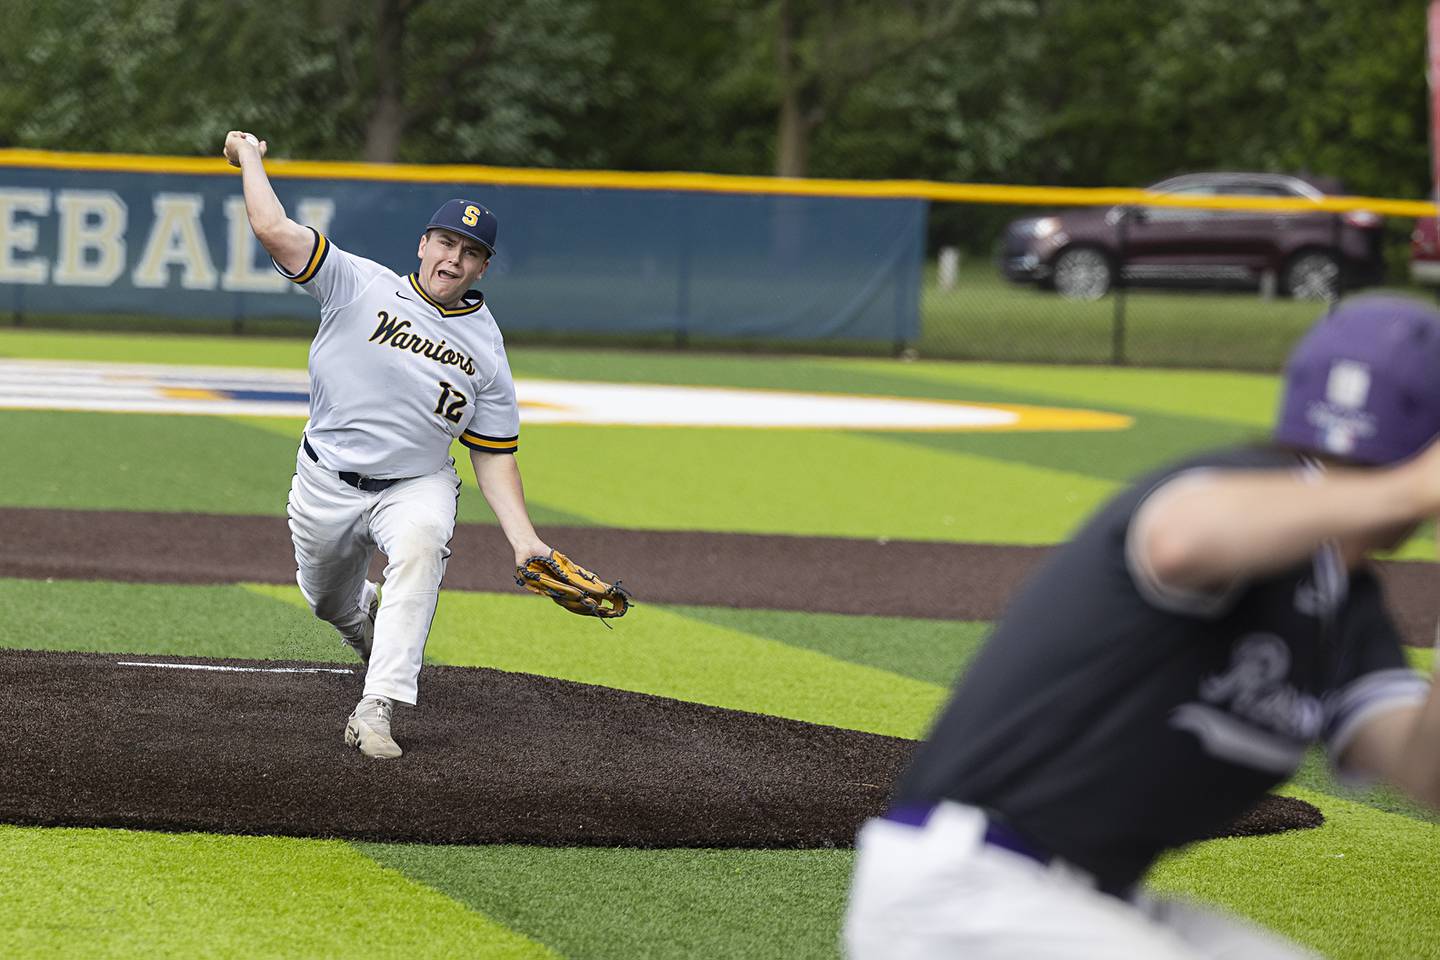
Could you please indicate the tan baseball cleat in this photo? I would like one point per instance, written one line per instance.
(368, 729)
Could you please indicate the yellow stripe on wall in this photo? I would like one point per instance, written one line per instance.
(695, 182)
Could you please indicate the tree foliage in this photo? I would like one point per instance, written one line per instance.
(1016, 91)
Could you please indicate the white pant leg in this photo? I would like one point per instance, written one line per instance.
(412, 523)
(332, 544)
(1219, 936)
(938, 892)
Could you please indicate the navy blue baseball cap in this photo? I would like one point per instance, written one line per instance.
(469, 219)
(1364, 383)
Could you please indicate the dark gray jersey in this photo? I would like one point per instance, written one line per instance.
(1110, 720)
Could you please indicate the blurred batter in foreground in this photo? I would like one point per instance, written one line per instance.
(1169, 666)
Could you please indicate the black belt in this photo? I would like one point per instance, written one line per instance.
(368, 484)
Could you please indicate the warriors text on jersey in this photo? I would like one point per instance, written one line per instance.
(1110, 718)
(395, 376)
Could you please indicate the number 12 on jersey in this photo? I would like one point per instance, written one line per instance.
(451, 402)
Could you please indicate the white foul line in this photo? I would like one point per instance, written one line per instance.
(218, 668)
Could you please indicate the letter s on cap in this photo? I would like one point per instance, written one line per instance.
(472, 216)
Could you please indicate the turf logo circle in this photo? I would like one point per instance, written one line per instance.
(235, 391)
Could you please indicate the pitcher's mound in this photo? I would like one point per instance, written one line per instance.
(232, 746)
(255, 747)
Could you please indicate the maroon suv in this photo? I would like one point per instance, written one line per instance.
(1425, 252)
(1081, 253)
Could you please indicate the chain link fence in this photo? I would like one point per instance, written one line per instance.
(1123, 285)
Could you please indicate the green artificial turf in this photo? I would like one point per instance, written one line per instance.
(660, 904)
(202, 621)
(665, 653)
(1114, 456)
(1361, 886)
(119, 893)
(859, 671)
(1244, 399)
(826, 483)
(882, 674)
(812, 482)
(675, 478)
(113, 893)
(933, 651)
(173, 464)
(145, 462)
(805, 482)
(178, 348)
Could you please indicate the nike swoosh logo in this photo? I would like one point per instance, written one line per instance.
(403, 297)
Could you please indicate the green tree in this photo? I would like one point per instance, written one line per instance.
(500, 83)
(1344, 96)
(1011, 91)
(152, 76)
(446, 80)
(683, 91)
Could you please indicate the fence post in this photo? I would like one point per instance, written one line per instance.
(908, 297)
(898, 348)
(1336, 219)
(1117, 325)
(947, 270)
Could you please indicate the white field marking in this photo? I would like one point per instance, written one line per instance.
(156, 388)
(223, 669)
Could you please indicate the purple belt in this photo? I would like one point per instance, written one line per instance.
(997, 833)
(1002, 835)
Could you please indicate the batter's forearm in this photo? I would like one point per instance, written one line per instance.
(1402, 747)
(1217, 530)
(1418, 774)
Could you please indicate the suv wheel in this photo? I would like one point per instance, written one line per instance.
(1313, 275)
(1082, 273)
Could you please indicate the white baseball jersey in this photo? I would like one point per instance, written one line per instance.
(395, 376)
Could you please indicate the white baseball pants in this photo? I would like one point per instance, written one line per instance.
(939, 891)
(336, 528)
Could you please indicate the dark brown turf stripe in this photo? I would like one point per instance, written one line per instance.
(960, 581)
(492, 757)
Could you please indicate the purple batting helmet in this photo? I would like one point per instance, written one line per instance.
(469, 219)
(1364, 383)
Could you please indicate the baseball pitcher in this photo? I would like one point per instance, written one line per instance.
(400, 367)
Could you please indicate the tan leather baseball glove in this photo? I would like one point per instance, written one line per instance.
(572, 586)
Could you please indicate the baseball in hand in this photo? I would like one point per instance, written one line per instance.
(232, 143)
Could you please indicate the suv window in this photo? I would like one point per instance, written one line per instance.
(1170, 214)
(1192, 190)
(1255, 190)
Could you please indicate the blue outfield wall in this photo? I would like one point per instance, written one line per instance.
(753, 266)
